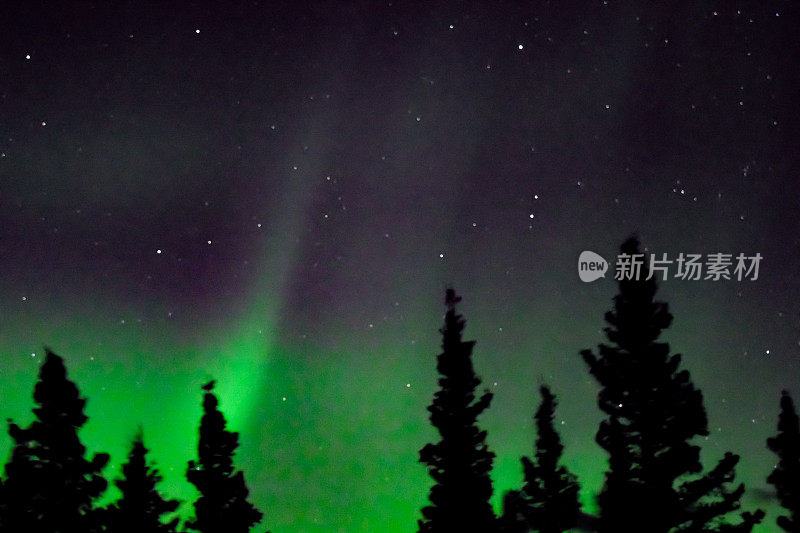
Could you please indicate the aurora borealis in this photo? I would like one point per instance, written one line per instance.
(276, 195)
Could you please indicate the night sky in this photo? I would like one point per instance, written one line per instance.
(276, 196)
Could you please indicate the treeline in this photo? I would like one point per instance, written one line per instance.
(50, 486)
(653, 415)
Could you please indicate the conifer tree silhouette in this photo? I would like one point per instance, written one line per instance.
(222, 506)
(653, 411)
(460, 462)
(141, 508)
(50, 486)
(548, 501)
(786, 476)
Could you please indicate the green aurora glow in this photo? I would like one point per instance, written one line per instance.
(347, 165)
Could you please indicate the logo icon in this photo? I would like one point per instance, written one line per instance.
(591, 266)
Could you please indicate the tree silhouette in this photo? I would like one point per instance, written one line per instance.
(222, 506)
(50, 486)
(141, 508)
(786, 476)
(460, 462)
(653, 411)
(548, 501)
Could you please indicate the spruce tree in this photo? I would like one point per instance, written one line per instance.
(50, 485)
(653, 411)
(548, 501)
(786, 475)
(222, 506)
(141, 508)
(460, 462)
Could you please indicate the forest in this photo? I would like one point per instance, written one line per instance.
(653, 418)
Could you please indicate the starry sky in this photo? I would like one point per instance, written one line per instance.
(276, 194)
